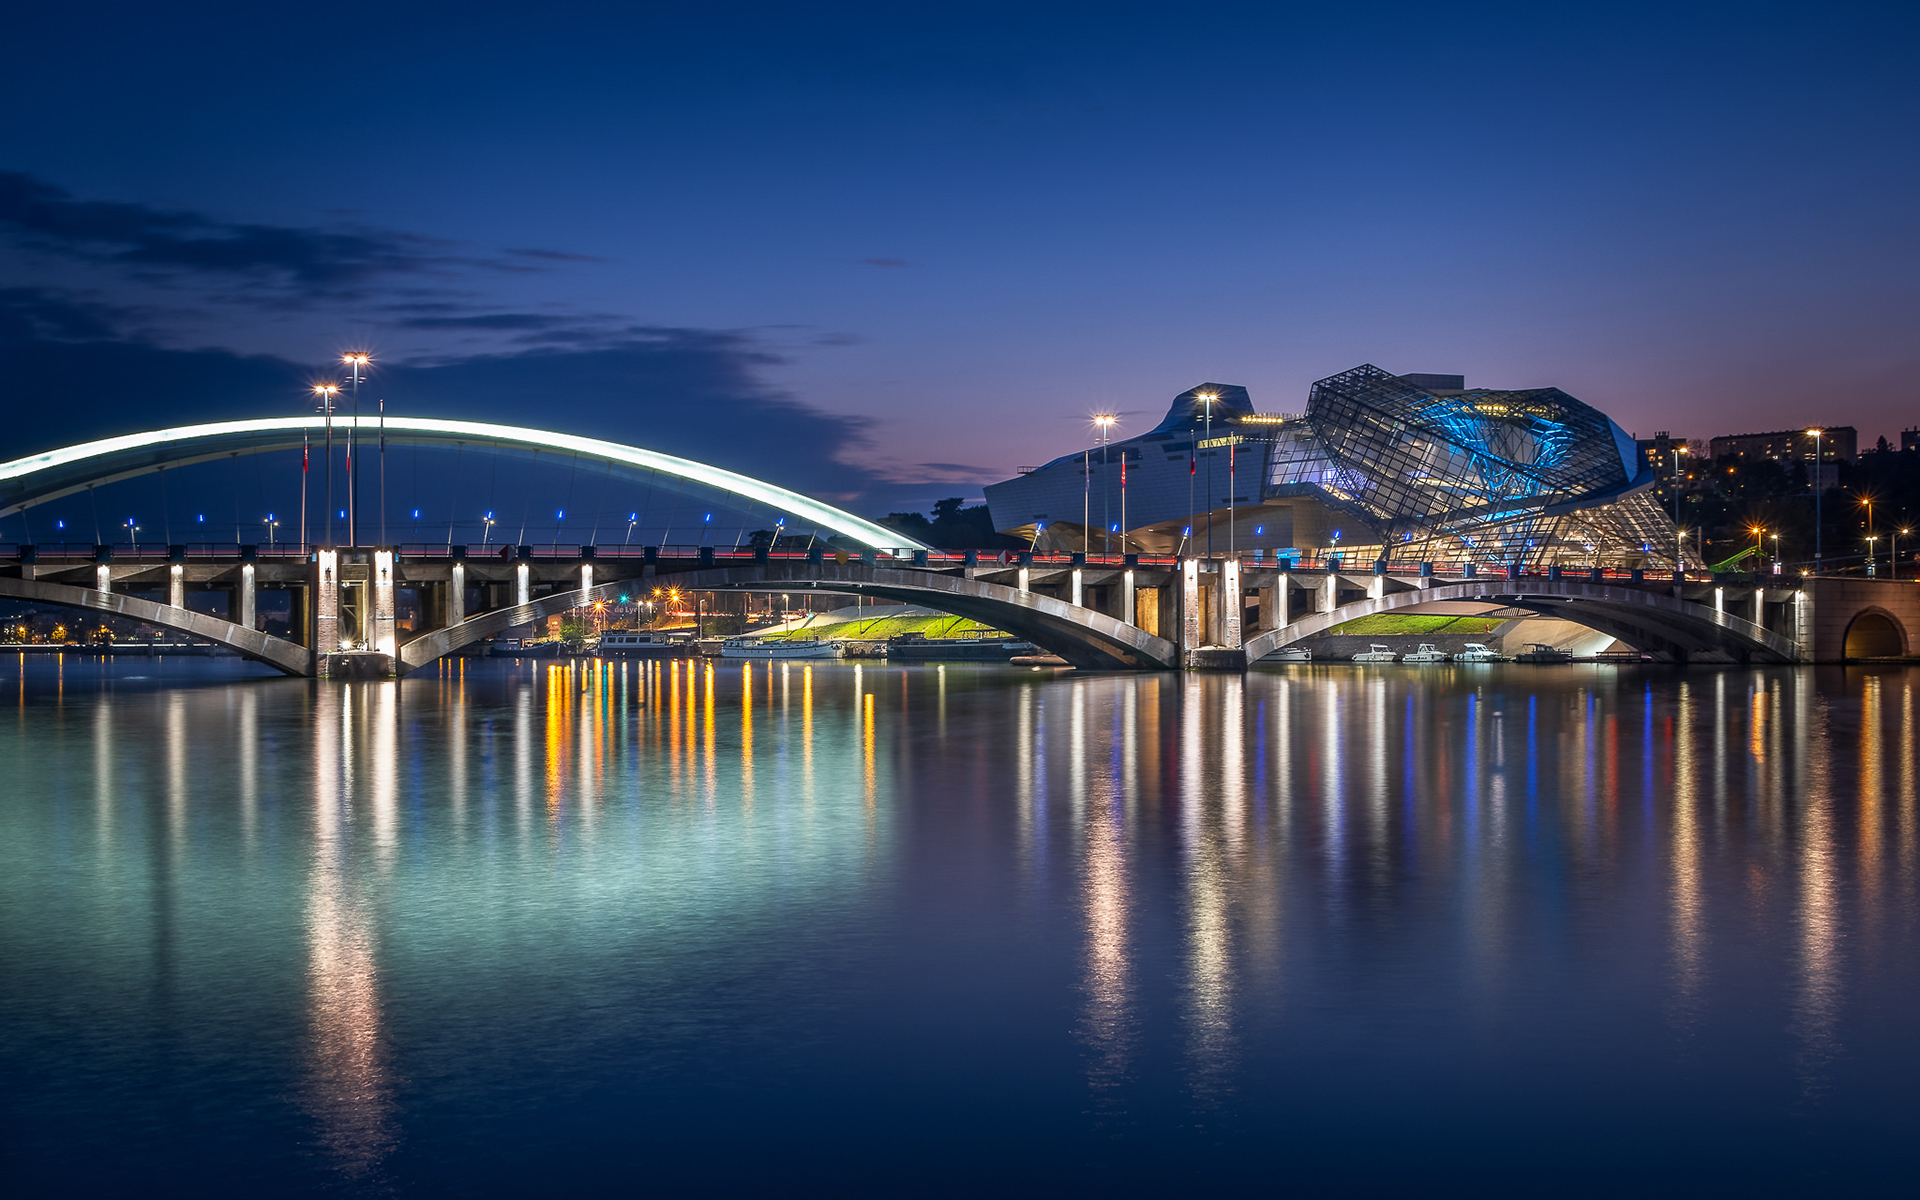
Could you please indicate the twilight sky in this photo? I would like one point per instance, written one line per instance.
(887, 253)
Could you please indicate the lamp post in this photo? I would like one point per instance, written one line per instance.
(1104, 422)
(271, 526)
(632, 520)
(1679, 559)
(1758, 552)
(1893, 553)
(1867, 503)
(1776, 552)
(327, 392)
(1207, 398)
(358, 363)
(1871, 564)
(1815, 435)
(486, 534)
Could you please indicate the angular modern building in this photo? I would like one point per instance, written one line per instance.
(1411, 468)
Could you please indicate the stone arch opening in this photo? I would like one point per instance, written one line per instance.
(1874, 634)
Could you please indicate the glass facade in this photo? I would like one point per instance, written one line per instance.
(1482, 475)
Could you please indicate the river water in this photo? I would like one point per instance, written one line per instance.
(510, 928)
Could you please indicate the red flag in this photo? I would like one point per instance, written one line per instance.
(1230, 449)
(1123, 474)
(1191, 467)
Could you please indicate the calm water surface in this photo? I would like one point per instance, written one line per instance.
(512, 928)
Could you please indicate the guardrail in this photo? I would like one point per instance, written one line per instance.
(154, 552)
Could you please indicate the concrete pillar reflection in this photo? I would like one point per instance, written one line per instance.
(384, 638)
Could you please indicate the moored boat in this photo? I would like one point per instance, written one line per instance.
(1477, 653)
(1427, 653)
(1538, 652)
(783, 649)
(918, 647)
(626, 643)
(1376, 653)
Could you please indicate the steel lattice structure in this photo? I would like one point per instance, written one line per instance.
(1480, 475)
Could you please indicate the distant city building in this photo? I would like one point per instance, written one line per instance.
(1671, 459)
(1910, 439)
(1838, 444)
(1406, 467)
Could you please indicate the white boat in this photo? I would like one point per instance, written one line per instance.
(1427, 653)
(1376, 653)
(1290, 654)
(1475, 652)
(624, 643)
(757, 648)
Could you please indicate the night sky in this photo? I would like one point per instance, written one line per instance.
(887, 253)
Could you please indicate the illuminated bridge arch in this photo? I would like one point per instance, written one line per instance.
(1642, 617)
(40, 478)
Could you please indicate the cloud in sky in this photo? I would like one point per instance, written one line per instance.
(71, 374)
(149, 241)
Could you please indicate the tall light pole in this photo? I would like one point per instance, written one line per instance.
(1207, 398)
(1815, 435)
(1893, 553)
(1867, 502)
(1871, 539)
(1104, 422)
(1679, 560)
(358, 363)
(327, 392)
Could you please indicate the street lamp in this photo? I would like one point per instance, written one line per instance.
(1867, 502)
(1776, 552)
(1871, 539)
(1679, 559)
(1893, 553)
(271, 526)
(357, 363)
(327, 392)
(1104, 423)
(1207, 398)
(1815, 435)
(1758, 552)
(486, 534)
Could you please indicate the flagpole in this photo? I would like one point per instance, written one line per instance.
(383, 471)
(303, 493)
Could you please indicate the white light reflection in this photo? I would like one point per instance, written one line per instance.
(347, 1089)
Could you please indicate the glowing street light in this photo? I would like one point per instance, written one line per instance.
(1104, 423)
(1815, 435)
(357, 363)
(327, 392)
(271, 525)
(1893, 552)
(487, 534)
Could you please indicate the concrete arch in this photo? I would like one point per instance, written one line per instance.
(276, 652)
(1648, 619)
(1874, 633)
(1085, 638)
(40, 478)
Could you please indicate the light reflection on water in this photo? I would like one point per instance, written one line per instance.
(449, 929)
